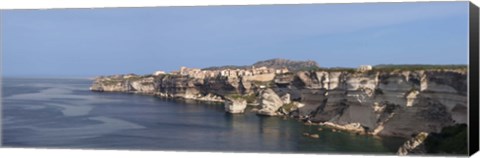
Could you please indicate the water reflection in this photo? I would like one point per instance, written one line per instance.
(126, 121)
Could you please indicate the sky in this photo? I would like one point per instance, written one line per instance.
(93, 42)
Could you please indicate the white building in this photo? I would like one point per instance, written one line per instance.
(183, 70)
(156, 73)
(224, 73)
(363, 68)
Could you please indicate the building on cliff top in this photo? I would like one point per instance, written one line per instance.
(192, 72)
(253, 71)
(363, 68)
(156, 73)
(282, 70)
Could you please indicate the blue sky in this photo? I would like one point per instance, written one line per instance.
(91, 42)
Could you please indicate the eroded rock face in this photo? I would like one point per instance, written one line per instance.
(236, 105)
(414, 146)
(270, 103)
(143, 85)
(286, 99)
(111, 84)
(393, 103)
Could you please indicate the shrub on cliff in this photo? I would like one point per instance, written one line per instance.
(289, 106)
(250, 98)
(378, 91)
(452, 140)
(338, 69)
(413, 67)
(273, 63)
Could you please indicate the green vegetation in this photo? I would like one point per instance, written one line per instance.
(111, 82)
(226, 67)
(290, 64)
(389, 68)
(149, 75)
(235, 96)
(259, 83)
(452, 140)
(271, 84)
(309, 68)
(389, 108)
(146, 83)
(378, 91)
(134, 78)
(337, 69)
(286, 74)
(364, 82)
(288, 107)
(414, 67)
(273, 63)
(250, 98)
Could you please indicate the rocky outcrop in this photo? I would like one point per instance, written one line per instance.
(172, 86)
(353, 127)
(415, 145)
(235, 105)
(270, 103)
(286, 99)
(388, 103)
(398, 103)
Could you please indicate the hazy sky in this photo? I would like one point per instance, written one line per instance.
(90, 42)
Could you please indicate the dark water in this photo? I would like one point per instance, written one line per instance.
(63, 113)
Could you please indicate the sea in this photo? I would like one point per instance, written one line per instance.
(63, 113)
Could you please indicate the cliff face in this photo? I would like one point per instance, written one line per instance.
(235, 105)
(393, 103)
(386, 103)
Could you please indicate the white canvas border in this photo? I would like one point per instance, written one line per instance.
(50, 4)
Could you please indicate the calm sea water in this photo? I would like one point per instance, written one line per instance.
(63, 113)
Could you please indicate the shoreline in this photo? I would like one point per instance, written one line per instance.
(378, 104)
(254, 108)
